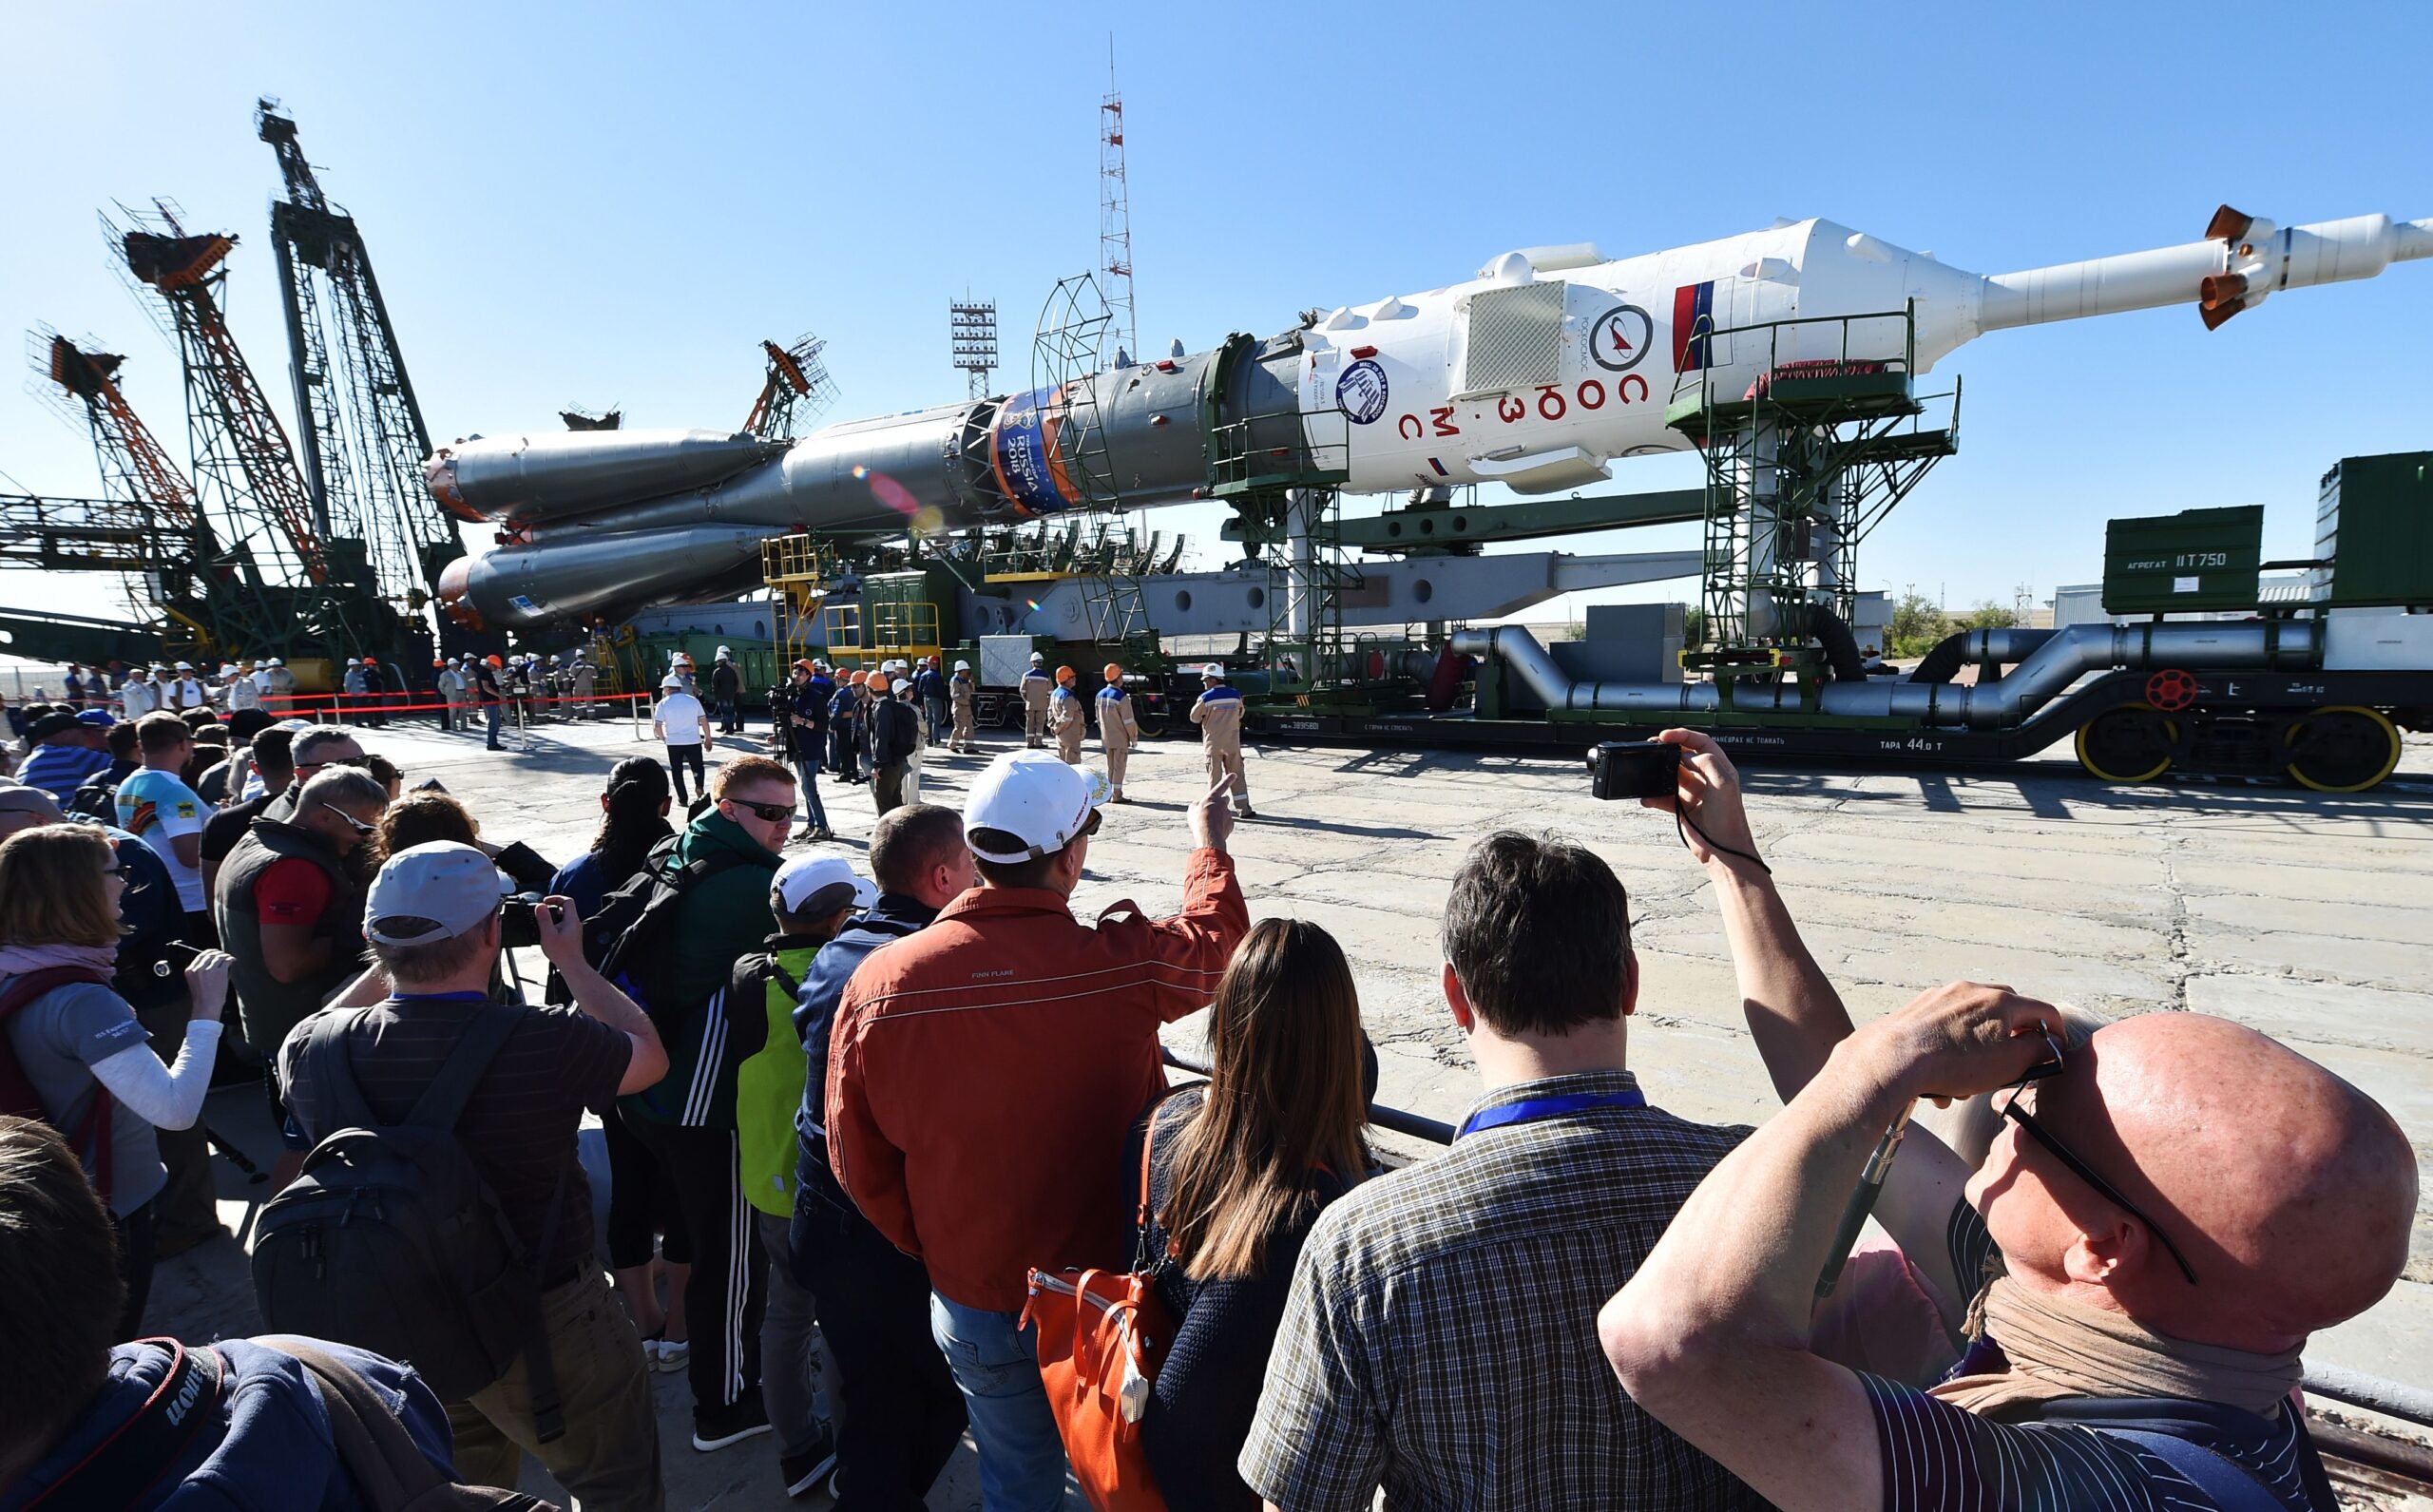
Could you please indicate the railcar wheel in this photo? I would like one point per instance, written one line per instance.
(2128, 744)
(2341, 748)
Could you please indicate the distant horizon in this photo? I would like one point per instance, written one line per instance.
(617, 213)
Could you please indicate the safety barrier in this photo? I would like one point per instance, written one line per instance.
(2392, 1399)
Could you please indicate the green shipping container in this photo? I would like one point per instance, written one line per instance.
(2374, 525)
(2195, 560)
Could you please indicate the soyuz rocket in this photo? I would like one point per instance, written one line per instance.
(1540, 372)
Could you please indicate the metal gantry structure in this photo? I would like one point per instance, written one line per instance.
(1115, 224)
(245, 474)
(361, 428)
(794, 390)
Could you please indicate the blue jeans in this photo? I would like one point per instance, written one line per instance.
(497, 713)
(939, 720)
(996, 1364)
(808, 771)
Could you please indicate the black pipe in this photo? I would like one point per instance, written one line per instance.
(1841, 647)
(1944, 663)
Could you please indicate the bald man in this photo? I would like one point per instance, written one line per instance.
(2169, 1211)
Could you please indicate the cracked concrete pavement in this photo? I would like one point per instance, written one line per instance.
(2308, 916)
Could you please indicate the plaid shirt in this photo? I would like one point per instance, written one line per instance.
(1442, 1333)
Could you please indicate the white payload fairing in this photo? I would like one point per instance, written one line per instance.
(1540, 372)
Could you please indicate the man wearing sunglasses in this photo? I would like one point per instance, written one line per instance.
(290, 911)
(2173, 1207)
(728, 857)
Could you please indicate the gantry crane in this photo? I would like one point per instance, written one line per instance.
(362, 432)
(795, 389)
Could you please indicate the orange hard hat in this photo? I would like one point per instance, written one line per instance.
(1114, 673)
(1063, 674)
(858, 678)
(436, 662)
(494, 661)
(878, 683)
(804, 665)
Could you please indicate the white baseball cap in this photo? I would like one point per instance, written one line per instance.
(801, 883)
(432, 892)
(1032, 796)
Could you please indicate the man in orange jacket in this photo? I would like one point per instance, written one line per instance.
(1046, 1030)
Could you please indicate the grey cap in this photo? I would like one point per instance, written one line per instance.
(18, 797)
(432, 892)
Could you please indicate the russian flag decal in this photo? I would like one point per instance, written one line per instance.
(1693, 323)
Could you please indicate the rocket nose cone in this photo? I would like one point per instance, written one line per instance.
(453, 580)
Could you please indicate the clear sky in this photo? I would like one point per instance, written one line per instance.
(614, 203)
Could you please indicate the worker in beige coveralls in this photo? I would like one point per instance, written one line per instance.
(1117, 730)
(962, 691)
(1065, 720)
(1218, 714)
(1037, 684)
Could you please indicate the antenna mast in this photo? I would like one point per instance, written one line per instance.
(1115, 219)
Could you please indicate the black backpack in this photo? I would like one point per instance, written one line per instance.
(632, 939)
(390, 1239)
(95, 798)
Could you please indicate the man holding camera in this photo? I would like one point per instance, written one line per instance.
(433, 925)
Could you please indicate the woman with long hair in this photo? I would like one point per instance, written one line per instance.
(641, 1205)
(77, 1042)
(1240, 1169)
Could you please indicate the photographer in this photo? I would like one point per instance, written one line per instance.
(432, 921)
(2100, 1371)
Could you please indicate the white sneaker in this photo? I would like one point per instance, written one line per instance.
(668, 1354)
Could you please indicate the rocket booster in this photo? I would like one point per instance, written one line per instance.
(1540, 372)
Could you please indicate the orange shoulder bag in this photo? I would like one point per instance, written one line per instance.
(1101, 1337)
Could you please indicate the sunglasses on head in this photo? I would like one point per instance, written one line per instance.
(770, 812)
(2006, 1103)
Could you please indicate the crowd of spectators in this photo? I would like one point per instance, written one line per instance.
(856, 1117)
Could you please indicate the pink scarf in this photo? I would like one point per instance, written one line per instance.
(16, 959)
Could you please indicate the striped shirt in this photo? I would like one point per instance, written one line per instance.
(519, 1124)
(1441, 1338)
(1942, 1458)
(60, 770)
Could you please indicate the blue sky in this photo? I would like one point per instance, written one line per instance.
(613, 203)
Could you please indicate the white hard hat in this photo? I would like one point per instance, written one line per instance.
(186, 666)
(1213, 670)
(724, 652)
(671, 681)
(962, 666)
(1037, 656)
(1035, 797)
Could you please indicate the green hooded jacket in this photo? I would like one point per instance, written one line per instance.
(724, 919)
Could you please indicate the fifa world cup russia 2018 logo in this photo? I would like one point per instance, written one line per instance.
(1360, 394)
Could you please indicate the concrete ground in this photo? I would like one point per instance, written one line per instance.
(2308, 916)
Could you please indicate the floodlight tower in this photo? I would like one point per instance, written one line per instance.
(972, 326)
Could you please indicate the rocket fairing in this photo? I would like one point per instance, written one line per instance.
(1540, 372)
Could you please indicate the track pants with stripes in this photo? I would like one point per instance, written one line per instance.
(729, 1285)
